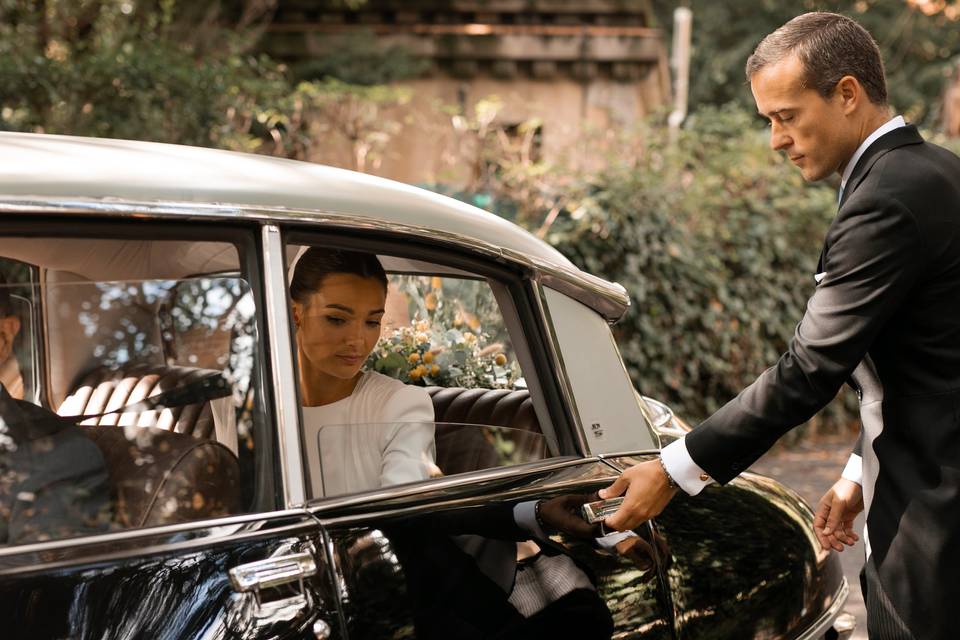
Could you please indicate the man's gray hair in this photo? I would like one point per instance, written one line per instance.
(829, 46)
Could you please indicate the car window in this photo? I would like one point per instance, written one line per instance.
(444, 386)
(608, 406)
(147, 412)
(19, 364)
(410, 452)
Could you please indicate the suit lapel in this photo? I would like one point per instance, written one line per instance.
(897, 138)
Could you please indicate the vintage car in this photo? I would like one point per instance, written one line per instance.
(158, 479)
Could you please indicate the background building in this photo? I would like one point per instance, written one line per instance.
(557, 69)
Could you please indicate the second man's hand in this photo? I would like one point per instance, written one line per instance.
(646, 489)
(836, 511)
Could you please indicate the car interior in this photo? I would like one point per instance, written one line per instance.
(151, 346)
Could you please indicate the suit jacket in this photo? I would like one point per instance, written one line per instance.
(53, 479)
(886, 316)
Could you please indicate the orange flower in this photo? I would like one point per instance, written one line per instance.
(428, 357)
(436, 282)
(415, 374)
(413, 358)
(435, 369)
(500, 359)
(430, 301)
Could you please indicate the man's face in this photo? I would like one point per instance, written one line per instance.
(9, 328)
(816, 133)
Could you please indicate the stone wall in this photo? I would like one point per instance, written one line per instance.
(596, 64)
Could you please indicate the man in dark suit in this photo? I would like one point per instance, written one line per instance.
(885, 315)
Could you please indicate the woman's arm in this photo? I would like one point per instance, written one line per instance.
(408, 437)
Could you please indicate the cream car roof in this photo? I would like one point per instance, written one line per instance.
(49, 166)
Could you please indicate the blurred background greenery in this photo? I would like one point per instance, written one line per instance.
(713, 235)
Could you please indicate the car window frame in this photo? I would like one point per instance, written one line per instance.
(246, 238)
(517, 282)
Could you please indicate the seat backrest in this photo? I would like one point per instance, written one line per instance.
(105, 390)
(164, 465)
(158, 477)
(467, 448)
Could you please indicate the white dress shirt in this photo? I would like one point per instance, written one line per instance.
(380, 435)
(681, 467)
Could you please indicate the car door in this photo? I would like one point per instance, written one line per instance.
(446, 562)
(461, 553)
(140, 489)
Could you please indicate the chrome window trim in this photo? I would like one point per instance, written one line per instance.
(287, 406)
(320, 506)
(608, 299)
(453, 498)
(820, 626)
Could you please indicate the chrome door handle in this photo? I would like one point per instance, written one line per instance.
(273, 572)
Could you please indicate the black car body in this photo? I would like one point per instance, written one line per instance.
(141, 269)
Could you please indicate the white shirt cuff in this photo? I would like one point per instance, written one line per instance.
(611, 540)
(854, 469)
(681, 467)
(525, 515)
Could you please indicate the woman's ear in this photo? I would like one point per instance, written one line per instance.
(297, 310)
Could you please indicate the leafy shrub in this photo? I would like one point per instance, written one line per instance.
(716, 239)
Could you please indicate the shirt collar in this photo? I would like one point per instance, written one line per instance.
(887, 127)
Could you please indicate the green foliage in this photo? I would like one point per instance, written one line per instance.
(126, 77)
(359, 59)
(918, 49)
(716, 240)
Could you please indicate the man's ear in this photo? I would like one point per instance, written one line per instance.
(850, 93)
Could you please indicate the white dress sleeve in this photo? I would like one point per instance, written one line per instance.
(407, 442)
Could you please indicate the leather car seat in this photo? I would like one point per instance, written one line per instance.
(164, 465)
(158, 477)
(104, 390)
(462, 448)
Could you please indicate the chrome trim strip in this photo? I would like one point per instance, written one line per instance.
(303, 529)
(119, 536)
(281, 367)
(385, 511)
(318, 507)
(335, 575)
(609, 299)
(628, 454)
(553, 350)
(819, 628)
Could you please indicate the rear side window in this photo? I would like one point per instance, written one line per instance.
(146, 409)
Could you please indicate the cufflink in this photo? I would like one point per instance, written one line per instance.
(704, 477)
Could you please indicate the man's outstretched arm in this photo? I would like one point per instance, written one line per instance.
(874, 257)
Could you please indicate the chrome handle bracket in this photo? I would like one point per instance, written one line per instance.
(273, 572)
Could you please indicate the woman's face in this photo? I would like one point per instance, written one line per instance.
(339, 325)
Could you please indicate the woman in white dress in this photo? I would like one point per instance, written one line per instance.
(363, 429)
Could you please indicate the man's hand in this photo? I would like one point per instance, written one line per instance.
(833, 522)
(648, 492)
(563, 514)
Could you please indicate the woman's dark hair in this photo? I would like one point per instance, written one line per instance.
(317, 263)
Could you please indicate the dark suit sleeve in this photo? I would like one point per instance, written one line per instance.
(874, 255)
